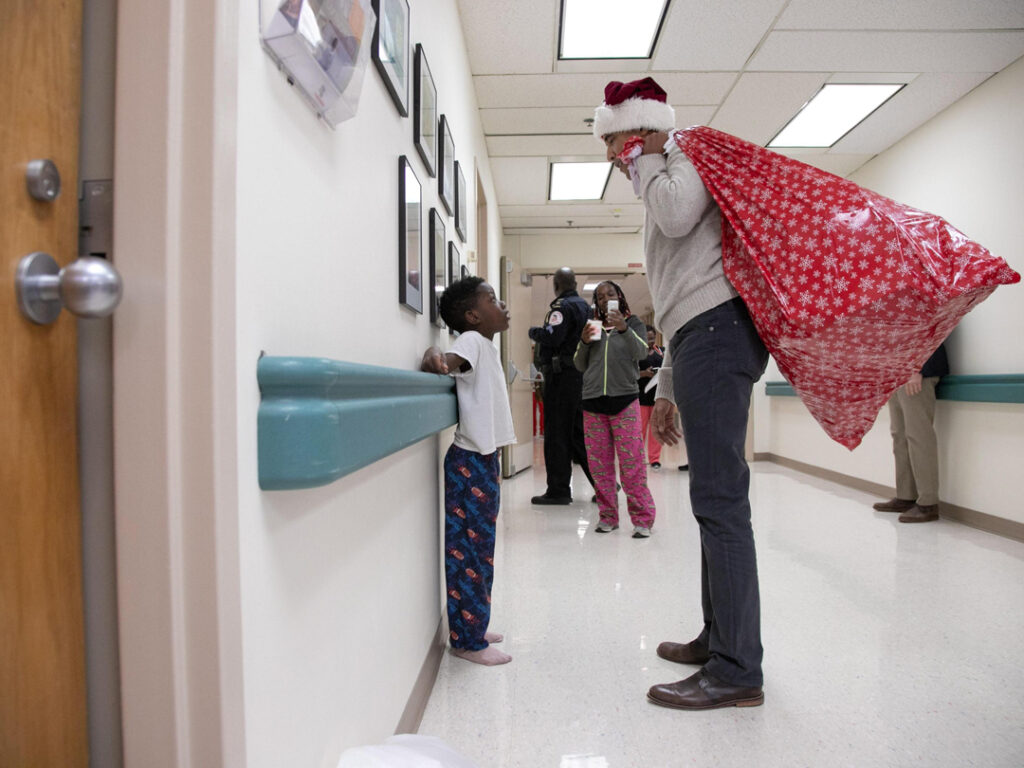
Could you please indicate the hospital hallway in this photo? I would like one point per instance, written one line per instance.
(885, 644)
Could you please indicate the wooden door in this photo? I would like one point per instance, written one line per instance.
(42, 658)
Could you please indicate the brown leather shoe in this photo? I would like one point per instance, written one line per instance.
(921, 514)
(684, 653)
(894, 505)
(702, 691)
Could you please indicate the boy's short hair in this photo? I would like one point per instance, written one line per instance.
(457, 299)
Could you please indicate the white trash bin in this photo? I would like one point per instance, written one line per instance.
(405, 750)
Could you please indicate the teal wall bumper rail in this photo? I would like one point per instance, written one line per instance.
(991, 388)
(321, 419)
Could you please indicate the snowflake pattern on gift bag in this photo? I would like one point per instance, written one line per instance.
(850, 291)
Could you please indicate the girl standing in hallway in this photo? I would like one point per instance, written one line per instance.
(608, 354)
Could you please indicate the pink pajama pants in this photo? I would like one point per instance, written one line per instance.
(653, 446)
(619, 434)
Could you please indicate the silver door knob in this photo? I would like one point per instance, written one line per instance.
(88, 287)
(43, 180)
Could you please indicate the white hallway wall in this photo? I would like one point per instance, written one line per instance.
(339, 589)
(966, 165)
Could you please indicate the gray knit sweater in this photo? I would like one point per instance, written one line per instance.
(682, 246)
(610, 364)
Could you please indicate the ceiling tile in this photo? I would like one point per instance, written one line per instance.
(520, 180)
(702, 35)
(888, 51)
(561, 210)
(486, 26)
(763, 102)
(577, 221)
(609, 230)
(587, 90)
(906, 14)
(577, 146)
(524, 120)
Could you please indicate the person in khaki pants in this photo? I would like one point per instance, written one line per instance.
(914, 444)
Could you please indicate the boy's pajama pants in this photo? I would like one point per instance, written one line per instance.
(471, 498)
(619, 434)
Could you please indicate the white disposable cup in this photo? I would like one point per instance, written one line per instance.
(596, 325)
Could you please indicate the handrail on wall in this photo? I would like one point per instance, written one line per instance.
(320, 419)
(978, 388)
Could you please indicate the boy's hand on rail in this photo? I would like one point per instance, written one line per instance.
(434, 361)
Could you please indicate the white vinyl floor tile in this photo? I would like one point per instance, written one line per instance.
(885, 644)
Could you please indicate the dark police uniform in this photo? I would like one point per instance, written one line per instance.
(563, 391)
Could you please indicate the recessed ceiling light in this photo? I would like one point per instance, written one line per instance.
(579, 181)
(590, 286)
(833, 112)
(610, 29)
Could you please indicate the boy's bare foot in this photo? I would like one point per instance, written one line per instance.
(493, 637)
(488, 656)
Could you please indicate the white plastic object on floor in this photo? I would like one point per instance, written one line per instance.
(405, 750)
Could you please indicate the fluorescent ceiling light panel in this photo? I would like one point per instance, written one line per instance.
(834, 111)
(590, 286)
(609, 29)
(579, 181)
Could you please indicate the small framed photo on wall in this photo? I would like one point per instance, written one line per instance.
(454, 267)
(446, 166)
(454, 263)
(391, 49)
(424, 133)
(410, 245)
(437, 266)
(461, 203)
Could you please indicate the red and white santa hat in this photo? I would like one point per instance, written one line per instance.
(633, 106)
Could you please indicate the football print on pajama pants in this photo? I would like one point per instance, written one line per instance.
(471, 497)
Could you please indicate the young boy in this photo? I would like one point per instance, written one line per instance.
(471, 490)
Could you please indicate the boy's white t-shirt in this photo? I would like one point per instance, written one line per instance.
(485, 419)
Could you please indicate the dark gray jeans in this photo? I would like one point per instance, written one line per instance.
(716, 358)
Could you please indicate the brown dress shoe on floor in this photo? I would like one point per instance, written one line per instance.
(921, 514)
(894, 505)
(702, 691)
(684, 653)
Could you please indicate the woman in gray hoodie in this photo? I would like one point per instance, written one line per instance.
(608, 354)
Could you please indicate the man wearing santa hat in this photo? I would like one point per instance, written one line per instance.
(711, 363)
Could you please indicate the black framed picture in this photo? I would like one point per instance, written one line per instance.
(391, 49)
(437, 266)
(446, 166)
(461, 203)
(454, 262)
(465, 271)
(410, 247)
(424, 132)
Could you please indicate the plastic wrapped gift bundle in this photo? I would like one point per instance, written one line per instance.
(850, 291)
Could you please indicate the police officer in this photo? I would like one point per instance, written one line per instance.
(563, 388)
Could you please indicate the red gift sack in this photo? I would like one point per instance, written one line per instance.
(850, 291)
